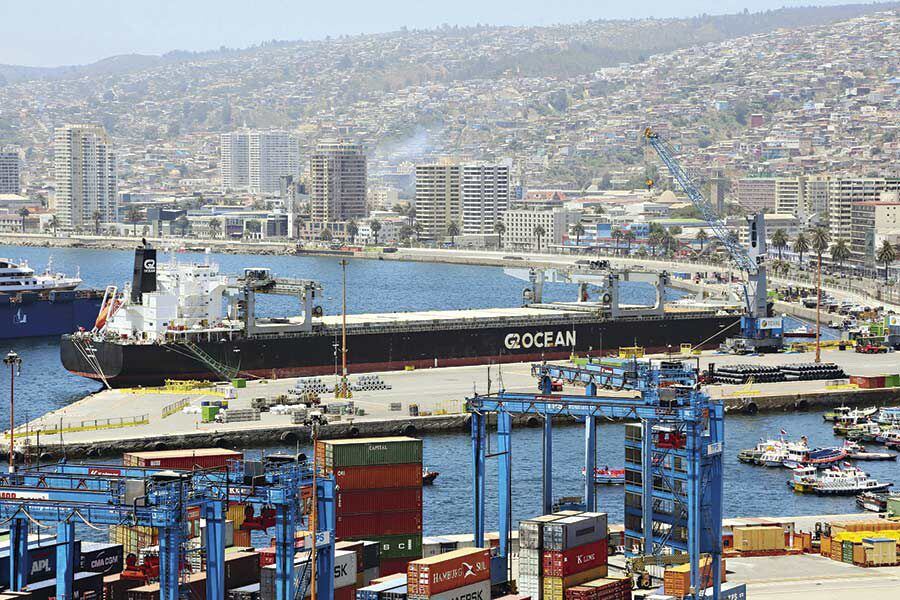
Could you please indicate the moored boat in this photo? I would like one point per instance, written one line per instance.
(835, 481)
(607, 476)
(872, 501)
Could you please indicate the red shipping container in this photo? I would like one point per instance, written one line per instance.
(574, 560)
(393, 566)
(348, 592)
(183, 460)
(436, 574)
(356, 502)
(378, 476)
(266, 556)
(391, 523)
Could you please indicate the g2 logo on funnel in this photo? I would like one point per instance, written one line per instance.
(150, 265)
(540, 339)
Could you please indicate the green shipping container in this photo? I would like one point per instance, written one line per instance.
(847, 552)
(398, 546)
(893, 507)
(209, 413)
(892, 381)
(372, 451)
(239, 383)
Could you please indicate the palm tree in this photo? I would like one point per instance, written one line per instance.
(780, 241)
(840, 252)
(701, 237)
(539, 232)
(133, 216)
(886, 255)
(656, 239)
(97, 216)
(411, 215)
(617, 236)
(453, 231)
(325, 236)
(352, 231)
(23, 213)
(183, 225)
(375, 226)
(215, 227)
(820, 245)
(417, 227)
(499, 229)
(801, 245)
(629, 238)
(405, 234)
(54, 223)
(578, 230)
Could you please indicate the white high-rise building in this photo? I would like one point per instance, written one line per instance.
(338, 181)
(844, 192)
(10, 181)
(485, 197)
(437, 199)
(256, 160)
(85, 171)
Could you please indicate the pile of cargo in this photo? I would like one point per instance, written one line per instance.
(379, 494)
(745, 373)
(863, 543)
(369, 383)
(238, 415)
(562, 551)
(314, 385)
(812, 371)
(461, 574)
(677, 580)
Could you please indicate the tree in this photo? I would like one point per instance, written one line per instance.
(405, 234)
(629, 238)
(886, 255)
(375, 226)
(578, 230)
(23, 213)
(819, 238)
(656, 239)
(617, 236)
(133, 216)
(539, 232)
(54, 224)
(352, 231)
(183, 225)
(499, 229)
(801, 245)
(701, 237)
(417, 227)
(215, 227)
(840, 252)
(453, 231)
(97, 216)
(780, 241)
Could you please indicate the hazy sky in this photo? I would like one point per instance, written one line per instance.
(62, 32)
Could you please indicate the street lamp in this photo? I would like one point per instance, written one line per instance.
(15, 367)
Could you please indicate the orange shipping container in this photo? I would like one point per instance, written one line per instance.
(378, 476)
(436, 574)
(182, 460)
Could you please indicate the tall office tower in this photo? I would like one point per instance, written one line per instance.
(337, 181)
(256, 160)
(10, 182)
(437, 199)
(485, 197)
(85, 171)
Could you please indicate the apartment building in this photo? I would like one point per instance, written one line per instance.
(790, 195)
(10, 178)
(485, 193)
(520, 224)
(844, 192)
(84, 166)
(256, 160)
(438, 198)
(337, 182)
(756, 194)
(868, 220)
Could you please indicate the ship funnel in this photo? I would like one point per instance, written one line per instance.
(144, 278)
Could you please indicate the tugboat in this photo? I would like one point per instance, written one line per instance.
(836, 481)
(608, 476)
(872, 501)
(428, 476)
(798, 455)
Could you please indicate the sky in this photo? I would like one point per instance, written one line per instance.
(66, 32)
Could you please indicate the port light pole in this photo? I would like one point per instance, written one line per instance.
(343, 389)
(14, 361)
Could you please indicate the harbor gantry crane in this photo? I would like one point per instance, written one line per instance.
(760, 331)
(681, 452)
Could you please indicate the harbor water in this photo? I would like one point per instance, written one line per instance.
(387, 286)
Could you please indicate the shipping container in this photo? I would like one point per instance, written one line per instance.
(677, 580)
(241, 568)
(371, 554)
(436, 574)
(473, 591)
(101, 558)
(398, 593)
(116, 588)
(574, 531)
(345, 593)
(355, 502)
(756, 539)
(194, 582)
(554, 588)
(333, 454)
(86, 586)
(374, 591)
(399, 578)
(41, 560)
(378, 476)
(395, 523)
(344, 571)
(247, 592)
(353, 546)
(531, 531)
(407, 546)
(184, 460)
(580, 558)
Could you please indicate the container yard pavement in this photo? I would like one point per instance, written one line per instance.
(435, 391)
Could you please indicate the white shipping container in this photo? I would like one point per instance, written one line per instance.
(475, 591)
(344, 568)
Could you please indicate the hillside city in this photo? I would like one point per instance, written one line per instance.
(523, 138)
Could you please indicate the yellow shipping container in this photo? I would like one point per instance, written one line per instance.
(858, 536)
(236, 514)
(555, 587)
(756, 539)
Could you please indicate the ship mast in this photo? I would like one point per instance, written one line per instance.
(343, 390)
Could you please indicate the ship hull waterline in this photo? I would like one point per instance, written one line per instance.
(125, 364)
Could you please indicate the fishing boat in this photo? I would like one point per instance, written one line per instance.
(887, 435)
(608, 476)
(428, 476)
(888, 415)
(836, 412)
(856, 451)
(866, 431)
(835, 481)
(750, 455)
(872, 501)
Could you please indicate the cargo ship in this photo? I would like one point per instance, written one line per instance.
(46, 304)
(189, 321)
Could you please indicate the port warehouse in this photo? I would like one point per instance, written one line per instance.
(561, 556)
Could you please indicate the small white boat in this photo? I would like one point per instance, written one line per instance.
(835, 481)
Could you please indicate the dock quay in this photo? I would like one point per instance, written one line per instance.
(419, 402)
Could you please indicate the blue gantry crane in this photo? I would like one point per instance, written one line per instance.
(760, 331)
(665, 397)
(120, 495)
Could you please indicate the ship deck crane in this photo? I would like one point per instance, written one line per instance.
(664, 393)
(760, 332)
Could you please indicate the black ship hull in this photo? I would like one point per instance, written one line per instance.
(318, 353)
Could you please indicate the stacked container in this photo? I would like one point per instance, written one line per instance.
(379, 494)
(459, 575)
(531, 544)
(611, 588)
(185, 460)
